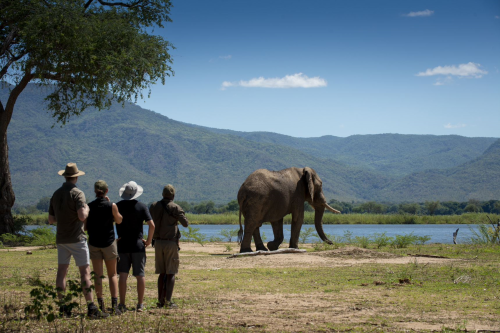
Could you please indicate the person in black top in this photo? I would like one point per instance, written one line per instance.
(102, 244)
(131, 245)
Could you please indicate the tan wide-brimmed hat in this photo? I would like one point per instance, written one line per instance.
(130, 191)
(71, 171)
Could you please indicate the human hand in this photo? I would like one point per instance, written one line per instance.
(146, 243)
(107, 198)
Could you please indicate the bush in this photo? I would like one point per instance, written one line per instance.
(382, 240)
(403, 241)
(362, 241)
(305, 234)
(43, 236)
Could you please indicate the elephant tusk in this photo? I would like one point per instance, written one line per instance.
(331, 209)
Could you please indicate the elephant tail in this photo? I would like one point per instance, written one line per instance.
(240, 232)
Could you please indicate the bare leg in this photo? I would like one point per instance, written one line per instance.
(162, 290)
(122, 286)
(278, 235)
(259, 244)
(62, 271)
(113, 281)
(98, 270)
(85, 277)
(141, 288)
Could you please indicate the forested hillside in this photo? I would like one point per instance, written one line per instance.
(391, 154)
(131, 143)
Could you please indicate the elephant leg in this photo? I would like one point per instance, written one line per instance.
(278, 235)
(259, 244)
(247, 236)
(296, 226)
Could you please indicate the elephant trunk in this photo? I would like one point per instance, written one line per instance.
(318, 216)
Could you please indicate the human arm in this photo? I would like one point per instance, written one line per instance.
(52, 219)
(151, 225)
(83, 213)
(116, 214)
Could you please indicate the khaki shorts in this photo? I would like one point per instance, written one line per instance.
(103, 253)
(79, 251)
(166, 257)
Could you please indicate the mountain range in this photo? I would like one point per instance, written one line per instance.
(130, 143)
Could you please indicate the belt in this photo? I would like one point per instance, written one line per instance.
(167, 239)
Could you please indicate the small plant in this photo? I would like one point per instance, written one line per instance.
(229, 234)
(403, 241)
(348, 237)
(45, 296)
(381, 240)
(263, 237)
(214, 239)
(421, 240)
(229, 248)
(194, 235)
(305, 234)
(362, 241)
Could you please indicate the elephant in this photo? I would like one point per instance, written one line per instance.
(267, 196)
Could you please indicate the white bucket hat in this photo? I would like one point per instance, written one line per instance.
(130, 191)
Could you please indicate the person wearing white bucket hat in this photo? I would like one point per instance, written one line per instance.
(131, 245)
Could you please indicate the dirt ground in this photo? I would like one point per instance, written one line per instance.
(314, 311)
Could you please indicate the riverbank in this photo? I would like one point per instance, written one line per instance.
(328, 218)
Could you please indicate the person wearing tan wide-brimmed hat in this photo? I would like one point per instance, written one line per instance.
(68, 208)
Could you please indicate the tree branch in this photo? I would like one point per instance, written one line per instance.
(6, 114)
(88, 4)
(8, 40)
(121, 4)
(13, 59)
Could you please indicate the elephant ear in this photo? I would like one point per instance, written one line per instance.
(309, 179)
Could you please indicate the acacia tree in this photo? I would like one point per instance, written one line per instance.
(90, 53)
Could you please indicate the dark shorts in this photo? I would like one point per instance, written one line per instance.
(137, 260)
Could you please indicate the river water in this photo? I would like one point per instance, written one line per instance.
(439, 233)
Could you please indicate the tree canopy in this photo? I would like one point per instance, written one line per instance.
(90, 53)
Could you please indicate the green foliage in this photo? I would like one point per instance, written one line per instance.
(43, 236)
(229, 234)
(484, 234)
(45, 296)
(43, 204)
(305, 233)
(194, 235)
(362, 241)
(403, 241)
(381, 239)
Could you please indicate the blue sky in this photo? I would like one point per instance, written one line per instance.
(314, 68)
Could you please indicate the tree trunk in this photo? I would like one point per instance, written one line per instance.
(7, 196)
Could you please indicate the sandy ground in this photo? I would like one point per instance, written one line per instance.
(308, 313)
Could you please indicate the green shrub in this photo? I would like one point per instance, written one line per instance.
(403, 241)
(305, 234)
(381, 240)
(43, 236)
(362, 241)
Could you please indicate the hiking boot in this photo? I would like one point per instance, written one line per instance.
(100, 301)
(122, 308)
(140, 308)
(171, 305)
(116, 310)
(95, 313)
(64, 311)
(160, 305)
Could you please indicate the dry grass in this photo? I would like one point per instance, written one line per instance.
(348, 289)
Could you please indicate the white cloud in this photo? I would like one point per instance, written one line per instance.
(226, 57)
(497, 17)
(451, 126)
(426, 12)
(298, 80)
(463, 70)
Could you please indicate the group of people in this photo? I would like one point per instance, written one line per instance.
(70, 212)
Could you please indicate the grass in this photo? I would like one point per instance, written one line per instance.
(328, 218)
(371, 296)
